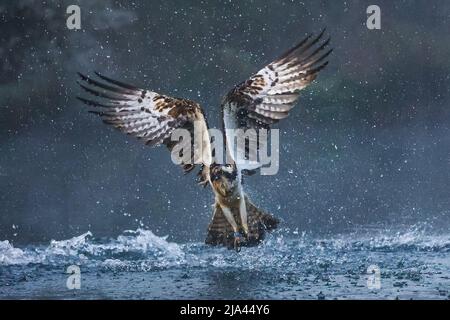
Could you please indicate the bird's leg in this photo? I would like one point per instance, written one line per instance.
(230, 218)
(237, 235)
(242, 206)
(243, 213)
(203, 175)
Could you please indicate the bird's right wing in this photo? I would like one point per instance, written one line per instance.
(150, 117)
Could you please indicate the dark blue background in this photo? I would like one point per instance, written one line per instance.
(368, 143)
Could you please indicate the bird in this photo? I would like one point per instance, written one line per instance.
(258, 102)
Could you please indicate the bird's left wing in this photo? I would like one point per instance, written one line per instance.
(149, 116)
(269, 95)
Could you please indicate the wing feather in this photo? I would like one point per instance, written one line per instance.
(269, 95)
(146, 115)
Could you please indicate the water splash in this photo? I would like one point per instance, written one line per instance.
(85, 249)
(10, 255)
(142, 250)
(286, 265)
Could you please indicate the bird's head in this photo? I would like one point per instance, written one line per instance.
(224, 178)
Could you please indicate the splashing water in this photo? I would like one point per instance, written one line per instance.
(413, 264)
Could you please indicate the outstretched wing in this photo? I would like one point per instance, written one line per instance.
(149, 116)
(269, 95)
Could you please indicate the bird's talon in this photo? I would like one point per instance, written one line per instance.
(237, 241)
(237, 245)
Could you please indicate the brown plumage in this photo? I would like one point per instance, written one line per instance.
(221, 233)
(146, 115)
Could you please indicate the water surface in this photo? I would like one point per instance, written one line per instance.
(288, 265)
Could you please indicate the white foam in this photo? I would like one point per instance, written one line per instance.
(10, 255)
(84, 249)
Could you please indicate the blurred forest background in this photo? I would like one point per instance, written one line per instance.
(368, 143)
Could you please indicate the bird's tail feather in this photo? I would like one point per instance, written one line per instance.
(259, 222)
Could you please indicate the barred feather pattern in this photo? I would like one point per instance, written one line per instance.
(269, 95)
(143, 114)
(259, 222)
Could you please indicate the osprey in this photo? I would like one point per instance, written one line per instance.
(257, 103)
